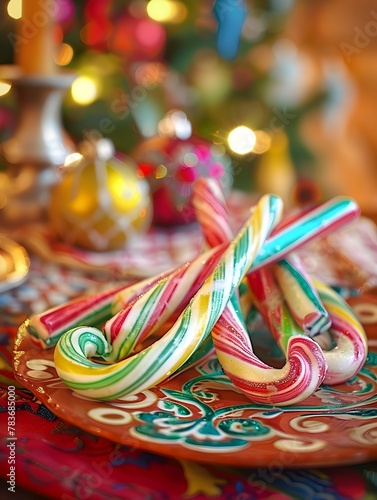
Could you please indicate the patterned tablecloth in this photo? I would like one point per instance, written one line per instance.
(58, 460)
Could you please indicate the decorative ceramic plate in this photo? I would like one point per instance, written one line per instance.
(199, 414)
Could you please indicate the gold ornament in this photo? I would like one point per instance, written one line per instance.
(100, 201)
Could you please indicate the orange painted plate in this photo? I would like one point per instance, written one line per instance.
(199, 415)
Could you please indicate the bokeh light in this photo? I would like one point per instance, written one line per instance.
(190, 160)
(14, 9)
(175, 124)
(4, 88)
(148, 34)
(84, 90)
(65, 55)
(72, 160)
(150, 74)
(263, 142)
(167, 11)
(65, 11)
(242, 140)
(161, 171)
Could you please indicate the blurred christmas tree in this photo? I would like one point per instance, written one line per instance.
(136, 60)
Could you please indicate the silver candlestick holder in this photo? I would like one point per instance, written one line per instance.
(36, 148)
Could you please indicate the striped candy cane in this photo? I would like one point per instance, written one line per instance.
(155, 363)
(305, 367)
(143, 316)
(291, 235)
(301, 296)
(301, 375)
(349, 354)
(351, 346)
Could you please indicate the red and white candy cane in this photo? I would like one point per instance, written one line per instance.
(305, 368)
(144, 315)
(301, 296)
(312, 307)
(155, 363)
(351, 346)
(48, 326)
(343, 360)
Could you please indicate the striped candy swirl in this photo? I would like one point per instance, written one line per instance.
(301, 375)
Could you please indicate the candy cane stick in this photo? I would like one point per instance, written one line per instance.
(305, 368)
(293, 233)
(301, 229)
(143, 316)
(152, 365)
(290, 235)
(269, 300)
(129, 327)
(301, 296)
(300, 293)
(345, 360)
(48, 326)
(318, 221)
(301, 375)
(93, 310)
(303, 300)
(297, 287)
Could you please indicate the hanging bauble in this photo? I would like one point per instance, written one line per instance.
(137, 37)
(100, 201)
(172, 161)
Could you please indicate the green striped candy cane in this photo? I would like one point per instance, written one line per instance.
(76, 348)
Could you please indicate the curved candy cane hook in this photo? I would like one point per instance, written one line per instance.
(305, 368)
(48, 326)
(155, 363)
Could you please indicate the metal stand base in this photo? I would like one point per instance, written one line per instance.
(37, 145)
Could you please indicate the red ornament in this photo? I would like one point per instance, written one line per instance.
(171, 166)
(138, 38)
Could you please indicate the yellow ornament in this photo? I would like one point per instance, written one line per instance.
(100, 201)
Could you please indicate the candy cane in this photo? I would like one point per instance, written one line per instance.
(47, 327)
(300, 229)
(305, 367)
(297, 286)
(291, 235)
(143, 316)
(301, 296)
(267, 297)
(343, 361)
(351, 346)
(318, 221)
(152, 365)
(94, 310)
(301, 375)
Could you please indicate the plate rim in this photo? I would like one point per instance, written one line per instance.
(177, 450)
